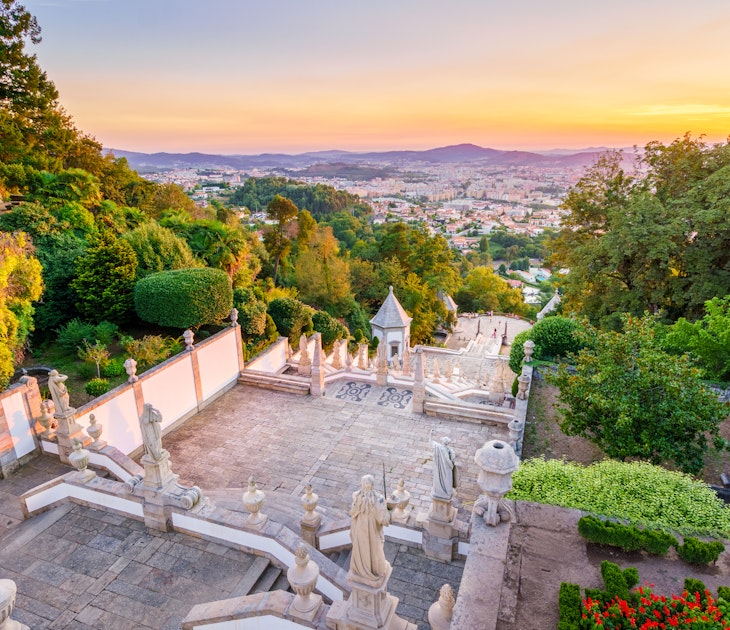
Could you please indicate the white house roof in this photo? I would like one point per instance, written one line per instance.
(391, 314)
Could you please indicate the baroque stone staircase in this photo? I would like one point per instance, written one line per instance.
(276, 382)
(262, 576)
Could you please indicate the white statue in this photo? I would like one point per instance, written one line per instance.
(130, 367)
(445, 472)
(369, 514)
(59, 392)
(151, 423)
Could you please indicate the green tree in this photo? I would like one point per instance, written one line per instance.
(276, 240)
(635, 400)
(292, 318)
(707, 339)
(483, 290)
(96, 353)
(105, 277)
(158, 249)
(20, 286)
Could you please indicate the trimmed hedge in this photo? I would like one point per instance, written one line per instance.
(184, 298)
(96, 387)
(626, 537)
(569, 604)
(292, 318)
(697, 551)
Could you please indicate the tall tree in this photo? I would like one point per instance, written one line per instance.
(321, 275)
(105, 277)
(634, 400)
(277, 241)
(20, 286)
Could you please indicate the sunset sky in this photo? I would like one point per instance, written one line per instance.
(243, 76)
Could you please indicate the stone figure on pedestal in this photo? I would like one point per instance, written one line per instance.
(369, 514)
(59, 392)
(151, 423)
(445, 472)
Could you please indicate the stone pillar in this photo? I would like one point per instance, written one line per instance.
(381, 365)
(497, 461)
(419, 384)
(239, 339)
(311, 519)
(337, 355)
(317, 387)
(8, 591)
(69, 430)
(362, 356)
(305, 362)
(406, 362)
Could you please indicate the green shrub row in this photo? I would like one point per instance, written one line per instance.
(656, 542)
(697, 551)
(626, 537)
(569, 604)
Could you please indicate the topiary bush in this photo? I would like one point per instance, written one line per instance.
(251, 313)
(96, 387)
(184, 298)
(614, 580)
(569, 604)
(517, 351)
(697, 551)
(329, 328)
(292, 318)
(555, 337)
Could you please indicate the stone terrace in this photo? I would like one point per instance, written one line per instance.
(286, 441)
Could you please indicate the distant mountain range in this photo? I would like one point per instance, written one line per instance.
(455, 154)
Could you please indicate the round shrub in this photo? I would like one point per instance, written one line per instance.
(184, 298)
(517, 351)
(329, 327)
(96, 387)
(292, 318)
(554, 337)
(113, 367)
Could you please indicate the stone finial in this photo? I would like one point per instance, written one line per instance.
(436, 375)
(348, 361)
(253, 499)
(94, 431)
(46, 419)
(449, 370)
(400, 498)
(497, 461)
(189, 338)
(515, 427)
(309, 503)
(362, 356)
(396, 363)
(441, 611)
(234, 317)
(305, 362)
(8, 591)
(130, 367)
(522, 383)
(406, 363)
(302, 577)
(529, 348)
(79, 459)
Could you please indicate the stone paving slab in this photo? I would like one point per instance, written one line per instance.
(286, 441)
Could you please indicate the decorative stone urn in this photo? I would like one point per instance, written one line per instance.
(8, 591)
(79, 459)
(400, 498)
(302, 577)
(440, 612)
(515, 427)
(95, 430)
(253, 499)
(46, 419)
(497, 461)
(522, 383)
(309, 503)
(529, 348)
(189, 338)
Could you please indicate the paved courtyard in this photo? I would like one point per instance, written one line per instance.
(287, 441)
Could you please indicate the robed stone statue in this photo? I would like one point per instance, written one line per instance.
(445, 472)
(369, 514)
(151, 423)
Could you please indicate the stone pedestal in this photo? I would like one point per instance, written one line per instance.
(369, 607)
(440, 530)
(69, 430)
(158, 474)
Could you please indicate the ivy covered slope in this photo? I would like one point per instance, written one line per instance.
(641, 493)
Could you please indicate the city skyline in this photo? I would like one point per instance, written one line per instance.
(291, 77)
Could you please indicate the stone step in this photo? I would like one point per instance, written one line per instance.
(276, 382)
(267, 579)
(344, 559)
(251, 577)
(281, 584)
